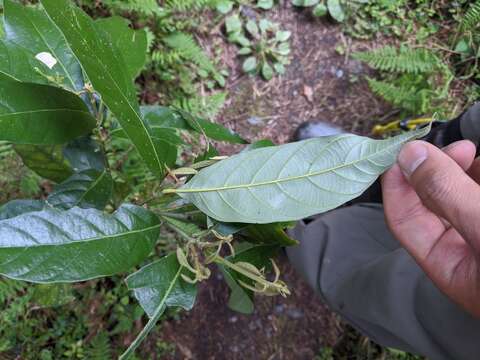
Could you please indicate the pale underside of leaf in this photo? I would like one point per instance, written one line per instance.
(292, 181)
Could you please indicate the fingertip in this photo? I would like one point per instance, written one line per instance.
(462, 152)
(412, 155)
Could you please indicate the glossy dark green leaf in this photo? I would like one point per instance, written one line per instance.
(41, 114)
(292, 181)
(105, 67)
(46, 161)
(186, 229)
(132, 44)
(18, 207)
(271, 234)
(212, 130)
(53, 245)
(164, 117)
(17, 64)
(84, 153)
(157, 286)
(85, 189)
(34, 32)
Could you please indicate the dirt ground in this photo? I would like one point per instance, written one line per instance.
(320, 84)
(296, 327)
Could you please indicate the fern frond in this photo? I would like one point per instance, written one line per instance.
(202, 106)
(187, 47)
(471, 19)
(188, 5)
(403, 60)
(408, 98)
(6, 149)
(145, 7)
(100, 348)
(9, 289)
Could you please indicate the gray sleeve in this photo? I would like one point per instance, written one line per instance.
(358, 268)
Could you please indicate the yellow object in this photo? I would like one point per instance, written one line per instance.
(398, 125)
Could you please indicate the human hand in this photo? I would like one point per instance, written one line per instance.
(432, 205)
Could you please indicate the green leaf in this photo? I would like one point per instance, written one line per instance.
(267, 71)
(250, 64)
(265, 25)
(84, 153)
(162, 116)
(304, 3)
(241, 299)
(259, 144)
(185, 229)
(34, 32)
(320, 10)
(244, 51)
(41, 114)
(283, 35)
(132, 44)
(52, 295)
(463, 46)
(224, 6)
(252, 28)
(105, 68)
(164, 124)
(75, 245)
(272, 234)
(265, 4)
(157, 286)
(17, 64)
(86, 189)
(279, 68)
(46, 161)
(233, 24)
(212, 130)
(18, 207)
(292, 181)
(335, 10)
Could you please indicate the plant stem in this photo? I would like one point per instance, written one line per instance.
(153, 320)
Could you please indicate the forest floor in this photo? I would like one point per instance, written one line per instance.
(320, 84)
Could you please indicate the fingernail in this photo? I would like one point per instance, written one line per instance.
(412, 156)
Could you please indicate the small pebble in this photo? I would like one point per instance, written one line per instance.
(254, 120)
(295, 313)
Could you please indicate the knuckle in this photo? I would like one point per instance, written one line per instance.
(437, 186)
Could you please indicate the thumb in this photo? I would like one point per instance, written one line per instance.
(443, 186)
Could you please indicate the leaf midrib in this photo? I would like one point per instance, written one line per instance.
(43, 111)
(153, 320)
(286, 179)
(91, 187)
(85, 240)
